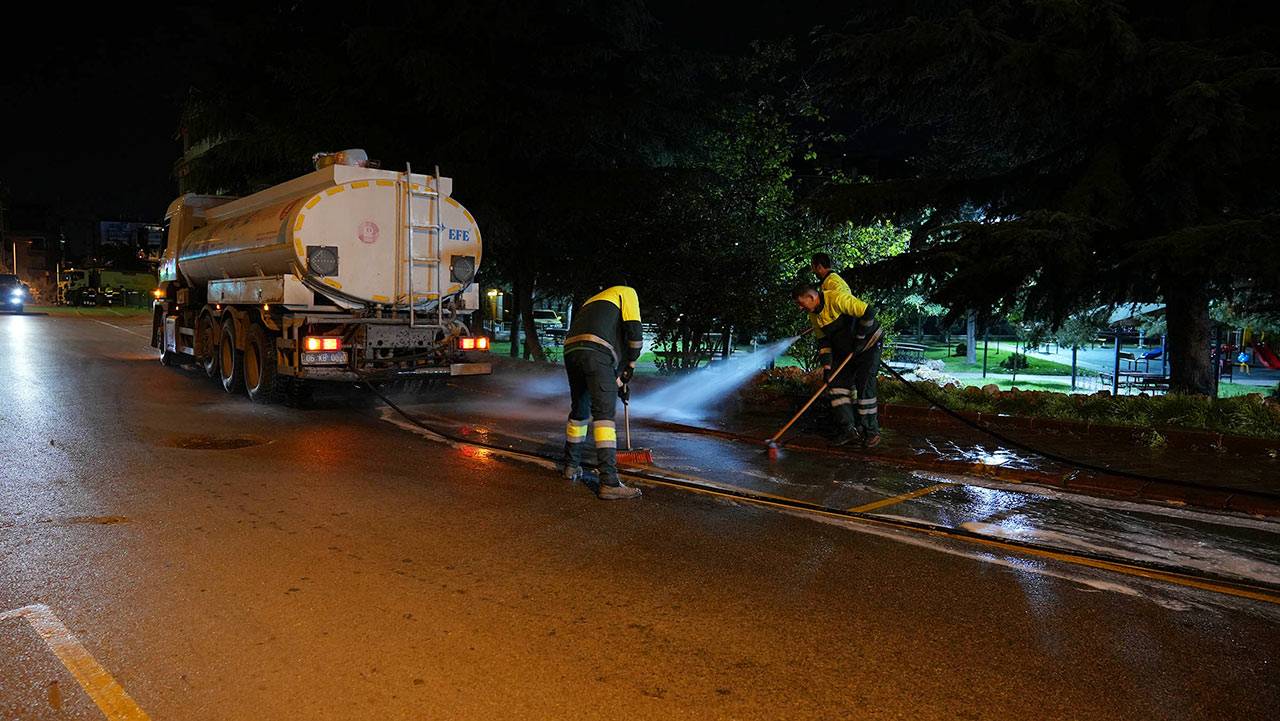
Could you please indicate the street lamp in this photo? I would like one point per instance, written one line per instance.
(493, 306)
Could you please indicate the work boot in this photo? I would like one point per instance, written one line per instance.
(871, 441)
(844, 438)
(618, 492)
(571, 473)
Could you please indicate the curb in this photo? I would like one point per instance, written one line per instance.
(1179, 438)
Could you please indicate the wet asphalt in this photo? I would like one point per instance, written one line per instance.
(225, 560)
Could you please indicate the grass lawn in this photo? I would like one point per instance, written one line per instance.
(91, 312)
(957, 364)
(1235, 390)
(1225, 390)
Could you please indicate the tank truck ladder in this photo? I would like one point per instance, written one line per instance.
(434, 229)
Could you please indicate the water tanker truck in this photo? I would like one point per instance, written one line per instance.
(347, 274)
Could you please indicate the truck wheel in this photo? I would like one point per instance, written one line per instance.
(209, 342)
(261, 380)
(230, 367)
(297, 393)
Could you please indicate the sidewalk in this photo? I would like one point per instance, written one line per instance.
(916, 438)
(933, 440)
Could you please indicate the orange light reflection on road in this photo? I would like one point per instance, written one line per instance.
(482, 454)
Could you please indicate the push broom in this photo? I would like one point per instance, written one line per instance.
(631, 456)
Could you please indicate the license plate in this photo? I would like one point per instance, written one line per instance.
(324, 358)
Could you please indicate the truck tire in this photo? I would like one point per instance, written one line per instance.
(209, 334)
(261, 380)
(230, 365)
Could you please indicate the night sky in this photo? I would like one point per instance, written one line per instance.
(91, 108)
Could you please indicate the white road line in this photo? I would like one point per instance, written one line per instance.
(126, 330)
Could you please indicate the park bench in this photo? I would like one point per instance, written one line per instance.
(909, 353)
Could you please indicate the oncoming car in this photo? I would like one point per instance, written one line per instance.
(13, 294)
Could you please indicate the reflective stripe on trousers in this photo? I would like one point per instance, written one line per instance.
(604, 433)
(575, 431)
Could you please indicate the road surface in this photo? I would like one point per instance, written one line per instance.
(168, 551)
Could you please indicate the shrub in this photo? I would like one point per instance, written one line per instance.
(1250, 415)
(1015, 361)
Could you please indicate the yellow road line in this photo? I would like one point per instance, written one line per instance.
(899, 499)
(115, 704)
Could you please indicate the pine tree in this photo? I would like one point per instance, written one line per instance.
(1062, 155)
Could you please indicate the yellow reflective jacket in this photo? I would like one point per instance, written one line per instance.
(609, 322)
(843, 324)
(833, 281)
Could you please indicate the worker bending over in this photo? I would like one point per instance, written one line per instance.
(845, 326)
(828, 279)
(600, 354)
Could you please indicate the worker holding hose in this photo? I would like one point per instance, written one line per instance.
(849, 341)
(828, 279)
(600, 353)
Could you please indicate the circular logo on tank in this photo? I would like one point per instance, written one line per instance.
(368, 232)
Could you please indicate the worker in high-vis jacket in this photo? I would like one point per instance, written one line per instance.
(600, 353)
(828, 279)
(845, 325)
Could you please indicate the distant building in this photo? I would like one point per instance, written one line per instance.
(146, 238)
(34, 262)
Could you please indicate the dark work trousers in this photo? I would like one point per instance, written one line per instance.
(593, 392)
(853, 393)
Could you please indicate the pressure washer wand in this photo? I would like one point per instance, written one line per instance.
(772, 443)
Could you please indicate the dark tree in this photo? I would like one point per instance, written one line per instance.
(1066, 155)
(531, 106)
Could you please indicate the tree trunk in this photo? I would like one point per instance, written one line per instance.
(532, 344)
(971, 339)
(1190, 334)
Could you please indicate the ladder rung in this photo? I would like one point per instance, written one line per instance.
(426, 261)
(425, 228)
(423, 193)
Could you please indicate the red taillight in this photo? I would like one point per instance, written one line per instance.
(315, 343)
(482, 343)
(467, 343)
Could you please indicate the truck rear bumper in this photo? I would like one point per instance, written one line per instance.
(348, 376)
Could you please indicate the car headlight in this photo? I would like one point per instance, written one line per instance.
(16, 293)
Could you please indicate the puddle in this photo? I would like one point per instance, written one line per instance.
(213, 443)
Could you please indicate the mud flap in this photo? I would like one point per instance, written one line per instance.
(170, 342)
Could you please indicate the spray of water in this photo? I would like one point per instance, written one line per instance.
(694, 396)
